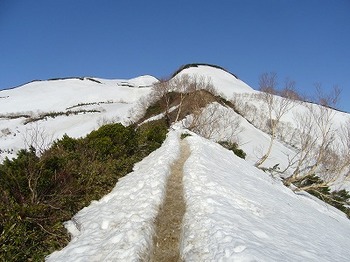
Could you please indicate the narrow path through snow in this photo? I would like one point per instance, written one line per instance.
(169, 220)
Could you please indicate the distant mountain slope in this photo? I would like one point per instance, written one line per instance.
(200, 64)
(74, 106)
(224, 81)
(58, 95)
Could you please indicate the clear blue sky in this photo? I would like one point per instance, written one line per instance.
(305, 40)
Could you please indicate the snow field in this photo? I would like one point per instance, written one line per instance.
(119, 227)
(112, 98)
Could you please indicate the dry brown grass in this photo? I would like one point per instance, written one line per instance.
(169, 220)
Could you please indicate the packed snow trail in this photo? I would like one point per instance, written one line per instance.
(120, 226)
(169, 220)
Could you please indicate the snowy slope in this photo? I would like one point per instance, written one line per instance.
(234, 212)
(230, 126)
(88, 102)
(55, 95)
(258, 112)
(225, 83)
(233, 88)
(254, 138)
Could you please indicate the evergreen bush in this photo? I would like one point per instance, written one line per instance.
(339, 199)
(39, 193)
(234, 148)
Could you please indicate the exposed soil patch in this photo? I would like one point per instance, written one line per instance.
(169, 220)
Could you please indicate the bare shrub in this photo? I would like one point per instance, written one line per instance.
(330, 99)
(183, 86)
(246, 107)
(321, 149)
(186, 95)
(190, 87)
(343, 151)
(105, 121)
(5, 132)
(139, 110)
(161, 91)
(37, 137)
(277, 106)
(215, 122)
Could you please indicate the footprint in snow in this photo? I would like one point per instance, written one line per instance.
(239, 248)
(105, 224)
(260, 234)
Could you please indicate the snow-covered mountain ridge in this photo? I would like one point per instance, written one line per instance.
(73, 106)
(234, 211)
(56, 95)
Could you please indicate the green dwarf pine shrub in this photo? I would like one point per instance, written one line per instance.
(40, 193)
(234, 148)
